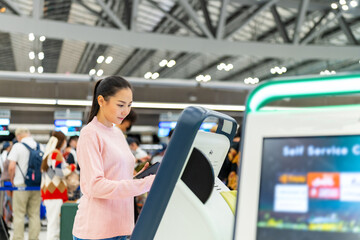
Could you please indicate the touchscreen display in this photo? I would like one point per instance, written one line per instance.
(310, 188)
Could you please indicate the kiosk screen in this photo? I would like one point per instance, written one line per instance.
(310, 188)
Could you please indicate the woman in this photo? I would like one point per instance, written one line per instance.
(53, 185)
(106, 209)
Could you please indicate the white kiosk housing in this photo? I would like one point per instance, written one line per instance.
(185, 201)
(300, 169)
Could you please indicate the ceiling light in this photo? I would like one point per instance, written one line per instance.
(31, 55)
(230, 66)
(334, 6)
(342, 2)
(163, 63)
(251, 80)
(3, 9)
(32, 69)
(108, 59)
(155, 75)
(207, 78)
(40, 69)
(100, 72)
(148, 75)
(283, 69)
(41, 55)
(92, 72)
(199, 78)
(42, 38)
(100, 59)
(353, 3)
(345, 7)
(31, 37)
(171, 63)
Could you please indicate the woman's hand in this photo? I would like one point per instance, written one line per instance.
(144, 168)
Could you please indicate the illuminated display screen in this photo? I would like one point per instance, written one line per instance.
(166, 126)
(310, 188)
(4, 126)
(68, 127)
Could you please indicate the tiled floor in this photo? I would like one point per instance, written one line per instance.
(42, 235)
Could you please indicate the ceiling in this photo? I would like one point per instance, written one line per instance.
(305, 37)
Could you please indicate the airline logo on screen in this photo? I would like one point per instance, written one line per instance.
(324, 185)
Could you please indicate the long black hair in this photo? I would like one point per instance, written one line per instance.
(106, 87)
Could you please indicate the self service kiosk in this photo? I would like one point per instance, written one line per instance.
(300, 169)
(186, 200)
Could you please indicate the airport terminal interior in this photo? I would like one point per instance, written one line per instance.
(226, 93)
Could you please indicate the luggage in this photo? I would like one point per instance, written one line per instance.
(68, 212)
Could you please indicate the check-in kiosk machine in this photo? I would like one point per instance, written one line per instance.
(185, 201)
(300, 169)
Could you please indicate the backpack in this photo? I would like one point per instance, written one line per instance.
(33, 174)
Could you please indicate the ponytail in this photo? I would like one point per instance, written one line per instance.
(95, 105)
(106, 87)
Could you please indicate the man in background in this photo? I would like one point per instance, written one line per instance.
(128, 121)
(24, 202)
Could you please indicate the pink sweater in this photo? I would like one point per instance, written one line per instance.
(106, 208)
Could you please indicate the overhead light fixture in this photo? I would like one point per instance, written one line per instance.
(148, 75)
(32, 69)
(226, 67)
(100, 72)
(334, 6)
(41, 55)
(163, 63)
(353, 3)
(100, 59)
(2, 10)
(92, 72)
(43, 101)
(328, 72)
(151, 75)
(171, 63)
(278, 70)
(31, 37)
(40, 69)
(31, 55)
(151, 105)
(345, 7)
(203, 78)
(251, 80)
(108, 59)
(342, 2)
(155, 75)
(42, 38)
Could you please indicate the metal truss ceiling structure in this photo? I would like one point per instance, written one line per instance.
(134, 36)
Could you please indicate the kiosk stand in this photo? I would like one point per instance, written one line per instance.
(185, 201)
(300, 169)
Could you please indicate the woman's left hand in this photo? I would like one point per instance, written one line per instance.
(144, 168)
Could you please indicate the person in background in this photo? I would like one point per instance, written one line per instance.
(71, 150)
(53, 185)
(229, 170)
(24, 202)
(4, 153)
(73, 180)
(159, 154)
(6, 196)
(128, 121)
(106, 208)
(140, 155)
